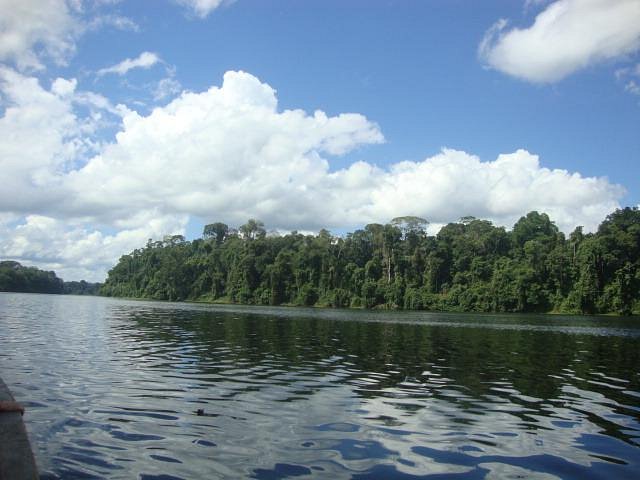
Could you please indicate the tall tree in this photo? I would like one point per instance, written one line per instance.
(218, 231)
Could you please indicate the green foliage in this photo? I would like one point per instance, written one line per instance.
(218, 231)
(470, 265)
(81, 288)
(16, 278)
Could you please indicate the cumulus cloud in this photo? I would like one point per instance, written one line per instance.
(229, 153)
(568, 35)
(202, 8)
(145, 60)
(35, 32)
(27, 25)
(39, 136)
(224, 150)
(441, 188)
(42, 138)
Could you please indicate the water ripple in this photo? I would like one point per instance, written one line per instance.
(121, 389)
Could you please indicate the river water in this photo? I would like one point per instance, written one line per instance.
(112, 389)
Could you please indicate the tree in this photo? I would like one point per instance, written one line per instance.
(218, 231)
(252, 229)
(410, 224)
(575, 238)
(534, 226)
(391, 236)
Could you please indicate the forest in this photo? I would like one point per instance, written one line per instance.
(15, 277)
(471, 265)
(81, 288)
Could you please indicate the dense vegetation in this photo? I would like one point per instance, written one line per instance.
(17, 278)
(81, 288)
(471, 265)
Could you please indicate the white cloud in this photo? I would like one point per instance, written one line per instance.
(118, 22)
(166, 87)
(567, 36)
(144, 60)
(453, 183)
(631, 78)
(202, 8)
(39, 136)
(229, 154)
(42, 138)
(34, 32)
(30, 25)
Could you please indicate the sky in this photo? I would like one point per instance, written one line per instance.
(122, 121)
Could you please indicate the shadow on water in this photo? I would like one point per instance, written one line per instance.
(117, 389)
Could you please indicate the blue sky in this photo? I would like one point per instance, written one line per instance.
(411, 66)
(434, 108)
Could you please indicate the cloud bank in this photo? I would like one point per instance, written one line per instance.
(567, 36)
(75, 203)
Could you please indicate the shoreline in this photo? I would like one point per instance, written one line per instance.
(221, 301)
(552, 313)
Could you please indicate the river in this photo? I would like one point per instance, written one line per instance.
(112, 389)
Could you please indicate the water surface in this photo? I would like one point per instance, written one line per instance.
(112, 388)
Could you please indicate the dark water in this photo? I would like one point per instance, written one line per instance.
(111, 389)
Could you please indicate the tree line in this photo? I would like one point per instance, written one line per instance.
(15, 277)
(81, 287)
(470, 265)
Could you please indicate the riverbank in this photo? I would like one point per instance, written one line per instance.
(16, 458)
(226, 301)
